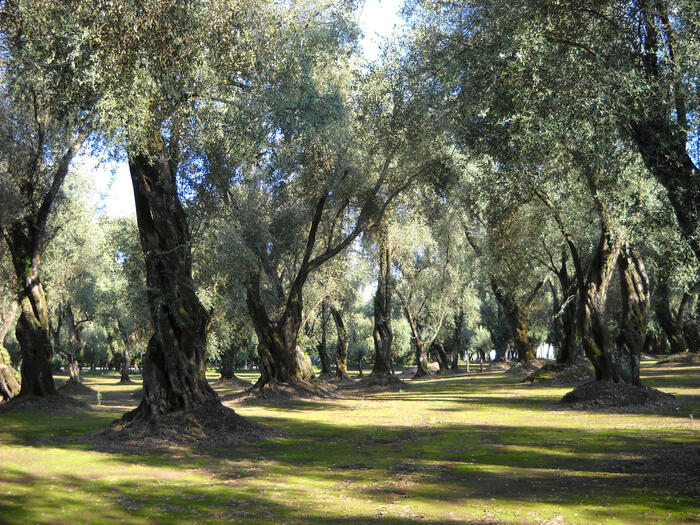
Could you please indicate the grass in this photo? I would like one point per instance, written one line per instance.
(479, 448)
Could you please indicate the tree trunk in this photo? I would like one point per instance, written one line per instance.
(517, 317)
(228, 363)
(593, 326)
(382, 334)
(32, 330)
(71, 354)
(322, 347)
(565, 312)
(341, 358)
(421, 351)
(635, 316)
(457, 340)
(439, 353)
(126, 355)
(279, 356)
(671, 326)
(174, 367)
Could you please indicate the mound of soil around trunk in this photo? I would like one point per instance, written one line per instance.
(233, 382)
(272, 391)
(562, 374)
(212, 424)
(495, 366)
(77, 389)
(56, 403)
(525, 369)
(374, 383)
(604, 394)
(684, 359)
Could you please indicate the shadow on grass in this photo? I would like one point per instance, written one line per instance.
(635, 474)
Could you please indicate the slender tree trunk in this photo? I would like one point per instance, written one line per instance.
(457, 341)
(382, 334)
(635, 316)
(174, 368)
(126, 355)
(322, 347)
(341, 358)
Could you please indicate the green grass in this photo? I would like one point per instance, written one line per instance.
(480, 448)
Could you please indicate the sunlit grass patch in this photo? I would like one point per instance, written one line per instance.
(457, 449)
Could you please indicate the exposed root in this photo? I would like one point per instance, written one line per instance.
(54, 403)
(9, 386)
(210, 424)
(562, 374)
(605, 394)
(275, 391)
(126, 382)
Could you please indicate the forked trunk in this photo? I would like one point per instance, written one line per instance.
(174, 368)
(439, 353)
(341, 358)
(421, 349)
(279, 357)
(382, 334)
(635, 316)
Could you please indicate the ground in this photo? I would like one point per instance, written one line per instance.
(481, 448)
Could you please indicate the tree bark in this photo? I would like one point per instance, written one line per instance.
(635, 316)
(126, 355)
(439, 353)
(517, 316)
(671, 326)
(71, 354)
(341, 358)
(279, 356)
(322, 347)
(382, 334)
(32, 330)
(593, 326)
(228, 363)
(174, 368)
(457, 342)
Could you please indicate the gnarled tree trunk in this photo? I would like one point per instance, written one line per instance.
(634, 291)
(174, 368)
(32, 330)
(279, 357)
(670, 324)
(457, 339)
(593, 326)
(341, 358)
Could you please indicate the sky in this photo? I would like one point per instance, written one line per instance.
(377, 19)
